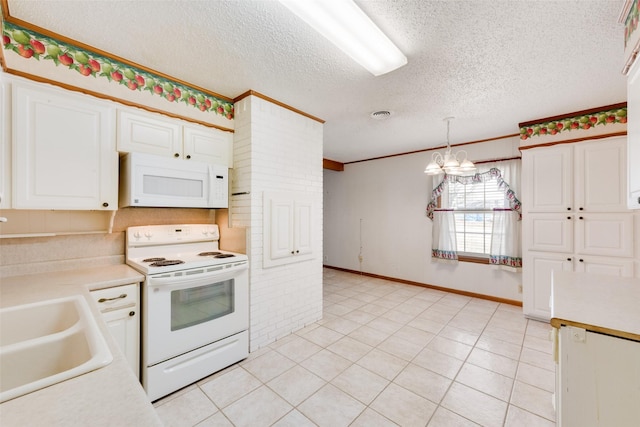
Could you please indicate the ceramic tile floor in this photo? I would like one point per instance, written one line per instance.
(385, 354)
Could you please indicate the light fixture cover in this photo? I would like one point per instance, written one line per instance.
(344, 24)
(449, 163)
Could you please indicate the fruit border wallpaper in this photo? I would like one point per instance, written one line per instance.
(33, 46)
(575, 123)
(631, 23)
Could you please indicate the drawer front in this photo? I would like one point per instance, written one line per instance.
(116, 298)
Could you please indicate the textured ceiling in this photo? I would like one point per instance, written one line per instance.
(491, 64)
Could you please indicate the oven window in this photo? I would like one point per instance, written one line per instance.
(193, 306)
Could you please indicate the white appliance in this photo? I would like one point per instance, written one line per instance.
(156, 181)
(195, 304)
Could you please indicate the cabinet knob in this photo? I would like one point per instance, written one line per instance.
(176, 155)
(568, 217)
(568, 259)
(581, 260)
(581, 209)
(568, 209)
(297, 252)
(292, 252)
(105, 205)
(188, 156)
(581, 218)
(132, 313)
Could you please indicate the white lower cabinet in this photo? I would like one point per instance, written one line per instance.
(597, 380)
(537, 277)
(120, 310)
(541, 265)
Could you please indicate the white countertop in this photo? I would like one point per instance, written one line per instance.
(599, 303)
(110, 396)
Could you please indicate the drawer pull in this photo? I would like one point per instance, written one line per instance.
(114, 298)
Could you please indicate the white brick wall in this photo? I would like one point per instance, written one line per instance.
(276, 149)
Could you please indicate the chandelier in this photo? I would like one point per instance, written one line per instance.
(449, 163)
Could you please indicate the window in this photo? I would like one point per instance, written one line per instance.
(473, 206)
(478, 216)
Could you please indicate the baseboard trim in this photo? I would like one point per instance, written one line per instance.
(427, 285)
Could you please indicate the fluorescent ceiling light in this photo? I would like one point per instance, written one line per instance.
(349, 28)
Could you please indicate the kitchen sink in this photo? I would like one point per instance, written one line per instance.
(47, 342)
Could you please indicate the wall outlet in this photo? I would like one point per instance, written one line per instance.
(520, 288)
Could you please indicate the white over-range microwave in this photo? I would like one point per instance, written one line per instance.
(149, 180)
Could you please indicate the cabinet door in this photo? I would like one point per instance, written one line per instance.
(282, 228)
(537, 281)
(608, 234)
(207, 145)
(63, 150)
(120, 310)
(149, 133)
(124, 327)
(547, 179)
(609, 266)
(303, 227)
(549, 232)
(287, 228)
(633, 136)
(600, 184)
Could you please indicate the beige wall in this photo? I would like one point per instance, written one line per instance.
(73, 246)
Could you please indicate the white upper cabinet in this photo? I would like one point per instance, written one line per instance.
(582, 177)
(209, 145)
(600, 183)
(549, 183)
(145, 132)
(633, 136)
(64, 150)
(148, 133)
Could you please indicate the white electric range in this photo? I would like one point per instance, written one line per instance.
(195, 303)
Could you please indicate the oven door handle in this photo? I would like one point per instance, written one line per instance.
(173, 283)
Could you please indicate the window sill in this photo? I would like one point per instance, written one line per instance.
(477, 260)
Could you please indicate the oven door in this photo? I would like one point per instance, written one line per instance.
(192, 308)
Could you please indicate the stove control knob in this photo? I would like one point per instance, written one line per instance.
(148, 234)
(137, 234)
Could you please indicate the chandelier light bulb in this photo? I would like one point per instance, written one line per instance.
(449, 163)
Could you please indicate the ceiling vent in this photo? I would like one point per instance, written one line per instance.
(381, 115)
